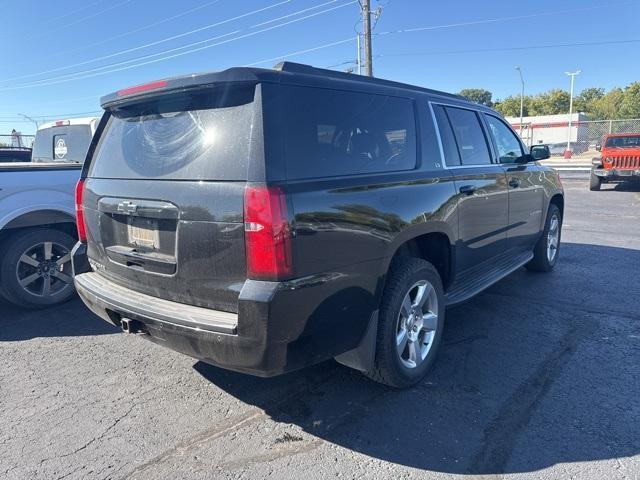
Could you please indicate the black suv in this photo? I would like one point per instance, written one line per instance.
(265, 220)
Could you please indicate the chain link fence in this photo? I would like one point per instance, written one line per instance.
(586, 134)
(16, 140)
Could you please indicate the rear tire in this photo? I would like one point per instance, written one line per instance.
(410, 323)
(35, 269)
(595, 182)
(545, 253)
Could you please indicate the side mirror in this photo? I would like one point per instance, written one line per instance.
(540, 152)
(599, 147)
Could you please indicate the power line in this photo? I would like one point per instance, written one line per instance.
(300, 52)
(68, 14)
(59, 53)
(20, 118)
(505, 49)
(157, 42)
(95, 72)
(80, 20)
(125, 62)
(56, 115)
(502, 19)
(259, 62)
(315, 7)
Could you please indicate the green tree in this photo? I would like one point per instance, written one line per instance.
(510, 106)
(608, 106)
(552, 102)
(478, 95)
(630, 106)
(585, 101)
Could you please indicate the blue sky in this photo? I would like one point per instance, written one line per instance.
(60, 57)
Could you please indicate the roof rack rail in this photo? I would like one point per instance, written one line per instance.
(293, 67)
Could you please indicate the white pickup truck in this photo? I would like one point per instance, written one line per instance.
(37, 217)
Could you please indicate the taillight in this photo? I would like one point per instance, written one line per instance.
(80, 222)
(267, 235)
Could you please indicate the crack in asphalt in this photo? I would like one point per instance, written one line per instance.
(253, 415)
(501, 434)
(93, 440)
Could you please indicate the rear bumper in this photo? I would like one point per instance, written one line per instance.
(279, 326)
(208, 335)
(617, 174)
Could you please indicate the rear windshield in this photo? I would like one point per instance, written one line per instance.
(632, 141)
(203, 136)
(62, 144)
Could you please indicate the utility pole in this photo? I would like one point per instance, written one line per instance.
(366, 23)
(521, 99)
(359, 57)
(567, 153)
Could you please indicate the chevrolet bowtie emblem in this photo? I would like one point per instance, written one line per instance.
(127, 207)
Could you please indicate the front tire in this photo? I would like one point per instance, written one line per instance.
(35, 269)
(545, 253)
(595, 182)
(410, 323)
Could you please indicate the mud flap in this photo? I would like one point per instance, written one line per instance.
(362, 357)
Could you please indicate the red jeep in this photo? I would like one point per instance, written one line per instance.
(619, 160)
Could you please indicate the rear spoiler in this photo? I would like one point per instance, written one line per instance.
(177, 84)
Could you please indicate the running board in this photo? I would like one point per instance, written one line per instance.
(481, 277)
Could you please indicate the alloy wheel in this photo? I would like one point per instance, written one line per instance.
(553, 238)
(416, 324)
(44, 269)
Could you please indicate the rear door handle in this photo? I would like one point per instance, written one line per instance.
(467, 189)
(514, 183)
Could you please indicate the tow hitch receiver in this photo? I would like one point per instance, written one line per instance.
(131, 326)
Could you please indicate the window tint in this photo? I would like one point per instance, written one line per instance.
(62, 144)
(330, 133)
(204, 136)
(469, 136)
(451, 155)
(509, 148)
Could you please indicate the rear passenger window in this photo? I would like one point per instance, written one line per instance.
(332, 133)
(470, 139)
(450, 150)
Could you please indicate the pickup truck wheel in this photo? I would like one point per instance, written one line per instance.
(545, 253)
(410, 323)
(35, 270)
(595, 182)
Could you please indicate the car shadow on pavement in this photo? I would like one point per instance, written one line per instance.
(523, 381)
(71, 318)
(622, 187)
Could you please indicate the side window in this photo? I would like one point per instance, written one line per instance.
(470, 139)
(333, 133)
(509, 147)
(451, 155)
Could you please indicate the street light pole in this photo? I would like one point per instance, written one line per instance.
(572, 75)
(27, 117)
(521, 99)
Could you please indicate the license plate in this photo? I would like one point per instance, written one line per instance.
(625, 173)
(143, 232)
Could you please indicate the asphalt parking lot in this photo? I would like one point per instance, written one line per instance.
(538, 378)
